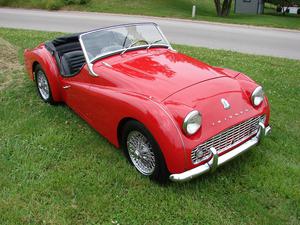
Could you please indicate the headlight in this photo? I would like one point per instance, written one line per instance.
(257, 96)
(192, 122)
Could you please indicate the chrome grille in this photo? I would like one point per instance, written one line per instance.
(227, 139)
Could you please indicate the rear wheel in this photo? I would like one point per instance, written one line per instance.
(43, 85)
(143, 152)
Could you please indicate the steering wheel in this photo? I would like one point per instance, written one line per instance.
(137, 41)
(133, 44)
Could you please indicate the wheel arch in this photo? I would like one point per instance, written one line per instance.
(120, 127)
(41, 56)
(163, 130)
(34, 65)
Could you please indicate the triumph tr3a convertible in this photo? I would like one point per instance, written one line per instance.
(174, 116)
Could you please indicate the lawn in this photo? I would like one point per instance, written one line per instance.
(55, 169)
(165, 8)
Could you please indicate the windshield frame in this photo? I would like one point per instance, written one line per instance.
(111, 53)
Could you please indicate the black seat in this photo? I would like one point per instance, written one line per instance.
(72, 62)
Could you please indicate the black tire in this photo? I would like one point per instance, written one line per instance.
(160, 173)
(38, 71)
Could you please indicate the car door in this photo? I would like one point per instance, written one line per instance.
(76, 92)
(102, 106)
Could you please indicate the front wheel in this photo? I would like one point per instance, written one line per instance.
(143, 152)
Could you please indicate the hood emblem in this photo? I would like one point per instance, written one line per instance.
(225, 103)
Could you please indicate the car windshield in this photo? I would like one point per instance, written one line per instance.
(119, 39)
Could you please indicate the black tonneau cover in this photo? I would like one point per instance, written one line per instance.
(66, 39)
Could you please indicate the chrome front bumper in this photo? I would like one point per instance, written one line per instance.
(217, 160)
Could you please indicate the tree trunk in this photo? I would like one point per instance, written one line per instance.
(226, 7)
(223, 9)
(218, 7)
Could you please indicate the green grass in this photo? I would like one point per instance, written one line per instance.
(55, 169)
(166, 8)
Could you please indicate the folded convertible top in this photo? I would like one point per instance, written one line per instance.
(66, 39)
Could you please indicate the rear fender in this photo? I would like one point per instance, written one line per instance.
(40, 55)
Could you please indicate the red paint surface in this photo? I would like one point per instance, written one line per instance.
(157, 87)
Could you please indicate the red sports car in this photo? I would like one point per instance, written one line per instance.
(175, 117)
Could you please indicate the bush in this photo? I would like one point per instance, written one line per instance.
(3, 2)
(76, 2)
(54, 4)
(57, 4)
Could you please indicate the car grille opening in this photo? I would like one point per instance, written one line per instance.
(227, 139)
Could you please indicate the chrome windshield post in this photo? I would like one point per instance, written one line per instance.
(164, 37)
(89, 64)
(91, 71)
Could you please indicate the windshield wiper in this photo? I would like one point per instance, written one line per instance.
(152, 43)
(132, 44)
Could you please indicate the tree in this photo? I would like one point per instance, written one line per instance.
(223, 8)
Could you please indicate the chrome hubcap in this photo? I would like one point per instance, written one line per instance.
(140, 153)
(43, 85)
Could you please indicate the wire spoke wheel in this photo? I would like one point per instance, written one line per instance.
(42, 84)
(141, 153)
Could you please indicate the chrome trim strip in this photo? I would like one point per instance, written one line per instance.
(220, 160)
(106, 64)
(119, 25)
(66, 87)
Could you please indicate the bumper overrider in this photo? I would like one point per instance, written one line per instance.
(217, 160)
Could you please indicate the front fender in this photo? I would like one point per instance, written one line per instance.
(156, 118)
(119, 105)
(40, 55)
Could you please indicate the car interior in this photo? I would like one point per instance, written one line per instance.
(68, 54)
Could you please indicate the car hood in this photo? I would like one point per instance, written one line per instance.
(210, 91)
(158, 73)
(207, 98)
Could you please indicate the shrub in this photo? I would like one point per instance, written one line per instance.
(57, 4)
(3, 2)
(54, 4)
(76, 2)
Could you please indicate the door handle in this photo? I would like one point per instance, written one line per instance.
(66, 87)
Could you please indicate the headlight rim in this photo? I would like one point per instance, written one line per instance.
(254, 95)
(186, 120)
